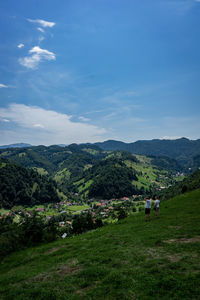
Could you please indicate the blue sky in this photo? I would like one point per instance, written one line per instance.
(91, 70)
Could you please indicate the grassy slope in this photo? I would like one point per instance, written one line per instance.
(146, 179)
(149, 173)
(128, 260)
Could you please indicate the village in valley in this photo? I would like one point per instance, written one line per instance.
(70, 207)
(64, 212)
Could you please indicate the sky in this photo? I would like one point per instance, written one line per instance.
(78, 71)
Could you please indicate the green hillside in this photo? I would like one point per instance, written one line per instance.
(189, 183)
(131, 259)
(77, 169)
(125, 174)
(22, 186)
(183, 149)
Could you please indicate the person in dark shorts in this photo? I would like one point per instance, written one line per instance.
(156, 207)
(147, 208)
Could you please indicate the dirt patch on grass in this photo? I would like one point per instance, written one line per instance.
(174, 258)
(70, 268)
(184, 240)
(54, 249)
(154, 253)
(88, 288)
(40, 277)
(174, 227)
(61, 270)
(160, 254)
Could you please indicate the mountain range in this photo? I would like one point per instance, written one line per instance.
(183, 150)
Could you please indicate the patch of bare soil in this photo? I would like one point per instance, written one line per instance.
(84, 290)
(70, 268)
(42, 277)
(54, 249)
(184, 240)
(173, 258)
(174, 227)
(62, 270)
(157, 254)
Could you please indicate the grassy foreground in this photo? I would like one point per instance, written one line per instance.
(132, 259)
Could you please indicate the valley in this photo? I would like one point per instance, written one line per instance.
(79, 211)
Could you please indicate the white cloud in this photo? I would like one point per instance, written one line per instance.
(37, 55)
(84, 119)
(20, 46)
(47, 127)
(40, 29)
(4, 120)
(170, 137)
(38, 126)
(42, 23)
(3, 86)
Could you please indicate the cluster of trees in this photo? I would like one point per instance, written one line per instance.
(190, 183)
(112, 179)
(84, 222)
(33, 230)
(196, 162)
(167, 163)
(21, 186)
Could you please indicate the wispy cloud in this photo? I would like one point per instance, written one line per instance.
(3, 86)
(4, 120)
(20, 46)
(47, 127)
(42, 23)
(41, 38)
(36, 56)
(40, 29)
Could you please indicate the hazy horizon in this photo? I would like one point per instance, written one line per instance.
(63, 145)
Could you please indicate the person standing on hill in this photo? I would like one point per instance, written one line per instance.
(156, 206)
(147, 208)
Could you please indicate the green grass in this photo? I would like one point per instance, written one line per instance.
(34, 188)
(149, 173)
(64, 174)
(3, 211)
(85, 186)
(61, 195)
(76, 208)
(2, 165)
(132, 259)
(41, 171)
(91, 151)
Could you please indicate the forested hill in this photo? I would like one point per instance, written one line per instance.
(21, 186)
(53, 158)
(89, 170)
(183, 150)
(190, 183)
(18, 145)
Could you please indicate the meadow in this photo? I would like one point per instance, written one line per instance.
(131, 259)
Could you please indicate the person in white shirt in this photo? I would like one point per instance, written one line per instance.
(147, 208)
(156, 206)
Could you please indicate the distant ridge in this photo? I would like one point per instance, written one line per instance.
(181, 149)
(18, 145)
